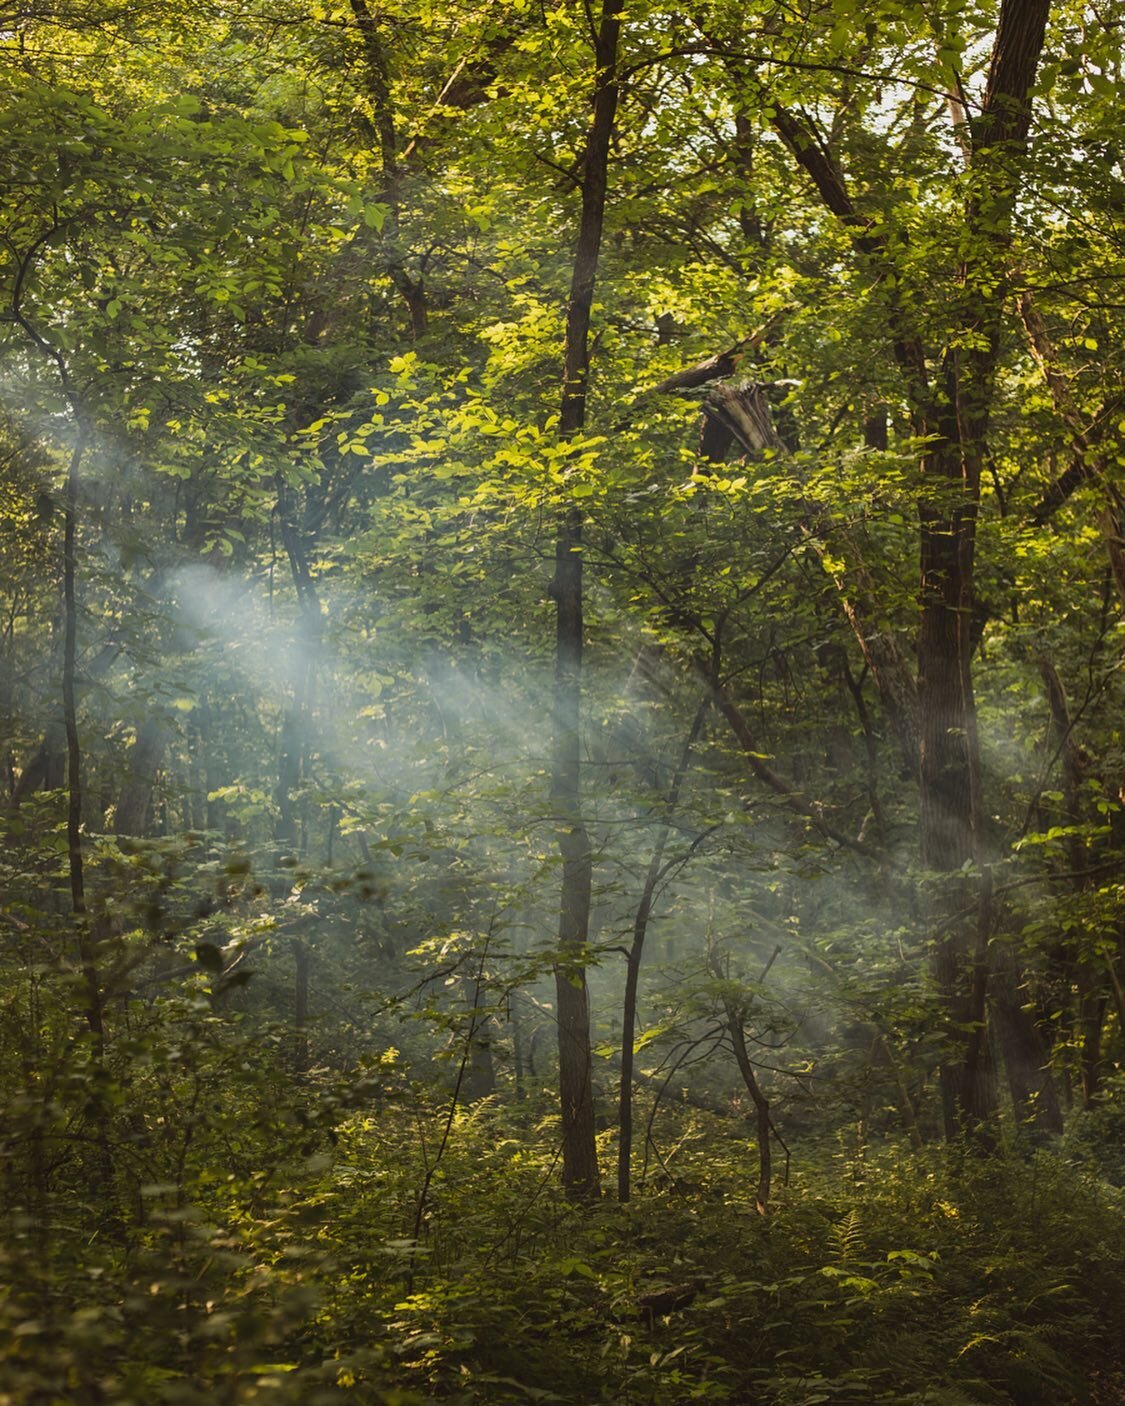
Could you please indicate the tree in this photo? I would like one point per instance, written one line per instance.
(580, 1167)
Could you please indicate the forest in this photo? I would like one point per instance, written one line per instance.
(562, 623)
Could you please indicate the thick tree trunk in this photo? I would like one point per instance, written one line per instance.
(953, 414)
(949, 816)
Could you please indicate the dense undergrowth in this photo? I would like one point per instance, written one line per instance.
(325, 1240)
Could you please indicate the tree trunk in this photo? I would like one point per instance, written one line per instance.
(46, 768)
(949, 817)
(636, 953)
(951, 410)
(377, 59)
(86, 946)
(300, 1006)
(479, 1079)
(580, 1166)
(1082, 968)
(1030, 1082)
(293, 744)
(99, 1108)
(142, 762)
(761, 1106)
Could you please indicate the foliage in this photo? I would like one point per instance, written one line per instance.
(284, 299)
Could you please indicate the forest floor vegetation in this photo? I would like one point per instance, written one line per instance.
(377, 1263)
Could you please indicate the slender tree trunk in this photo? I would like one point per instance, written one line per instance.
(46, 769)
(1031, 1084)
(292, 748)
(300, 1005)
(86, 945)
(580, 1166)
(87, 937)
(1081, 966)
(636, 954)
(519, 1062)
(580, 1169)
(375, 50)
(905, 1102)
(761, 1106)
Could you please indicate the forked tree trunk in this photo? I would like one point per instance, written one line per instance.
(761, 1106)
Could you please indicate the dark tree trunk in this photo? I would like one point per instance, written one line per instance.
(46, 768)
(949, 819)
(761, 1107)
(1031, 1084)
(377, 59)
(906, 1108)
(580, 1167)
(952, 412)
(134, 800)
(479, 1079)
(580, 1164)
(875, 428)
